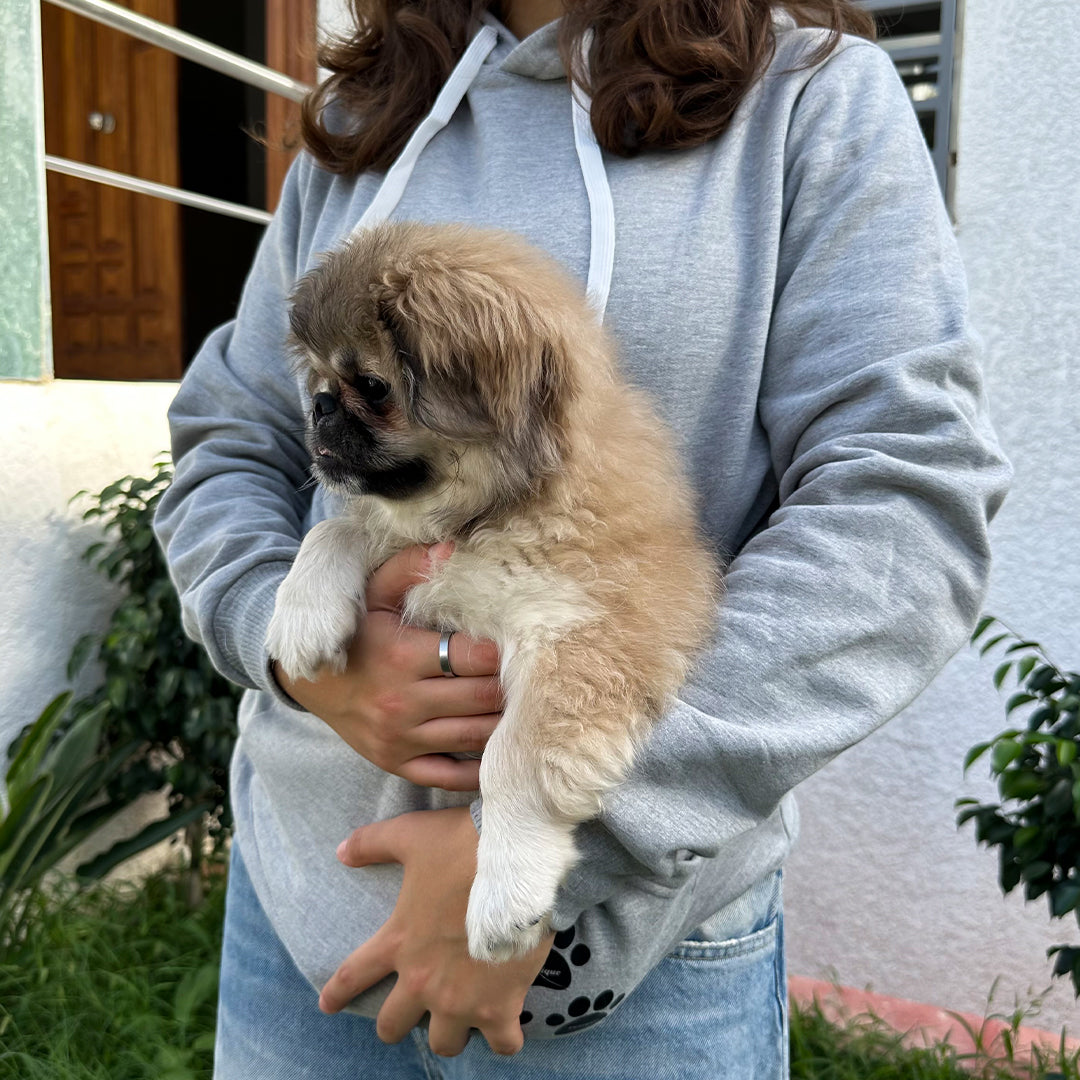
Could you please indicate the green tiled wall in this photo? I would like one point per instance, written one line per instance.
(25, 348)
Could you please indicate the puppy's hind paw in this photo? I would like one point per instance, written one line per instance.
(499, 928)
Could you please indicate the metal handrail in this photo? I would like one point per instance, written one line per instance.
(187, 46)
(150, 187)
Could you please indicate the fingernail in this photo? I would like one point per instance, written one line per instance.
(341, 850)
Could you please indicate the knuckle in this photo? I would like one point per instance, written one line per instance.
(389, 705)
(486, 653)
(414, 983)
(345, 976)
(486, 1016)
(378, 749)
(393, 937)
(445, 1003)
(489, 694)
(475, 737)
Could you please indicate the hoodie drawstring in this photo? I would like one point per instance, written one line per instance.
(601, 209)
(397, 176)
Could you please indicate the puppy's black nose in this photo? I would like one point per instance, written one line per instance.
(322, 404)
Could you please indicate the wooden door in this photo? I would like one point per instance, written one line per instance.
(290, 49)
(110, 100)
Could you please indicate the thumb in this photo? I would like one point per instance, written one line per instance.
(380, 842)
(388, 585)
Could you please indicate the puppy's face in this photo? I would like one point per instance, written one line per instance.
(361, 436)
(438, 367)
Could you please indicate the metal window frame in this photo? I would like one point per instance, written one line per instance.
(941, 47)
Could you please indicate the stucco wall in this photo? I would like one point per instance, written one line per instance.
(56, 439)
(882, 889)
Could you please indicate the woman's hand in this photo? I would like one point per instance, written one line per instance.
(424, 940)
(392, 704)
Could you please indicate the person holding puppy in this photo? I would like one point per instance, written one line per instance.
(745, 193)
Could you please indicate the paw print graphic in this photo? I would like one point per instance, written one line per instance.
(557, 974)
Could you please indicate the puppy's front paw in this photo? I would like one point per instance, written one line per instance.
(308, 633)
(520, 863)
(501, 923)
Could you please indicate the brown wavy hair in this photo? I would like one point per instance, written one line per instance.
(663, 74)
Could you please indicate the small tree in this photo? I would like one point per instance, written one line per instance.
(1036, 826)
(159, 689)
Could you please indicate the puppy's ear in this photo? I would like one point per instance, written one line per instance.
(302, 308)
(440, 395)
(487, 359)
(325, 306)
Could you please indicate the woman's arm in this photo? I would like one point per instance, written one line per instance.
(872, 570)
(232, 520)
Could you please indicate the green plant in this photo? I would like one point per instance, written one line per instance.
(159, 688)
(113, 982)
(55, 787)
(1036, 826)
(864, 1047)
(161, 717)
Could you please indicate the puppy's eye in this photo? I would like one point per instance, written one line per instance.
(374, 391)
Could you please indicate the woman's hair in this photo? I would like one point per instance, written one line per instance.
(663, 74)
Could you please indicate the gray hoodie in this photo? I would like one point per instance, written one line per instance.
(791, 296)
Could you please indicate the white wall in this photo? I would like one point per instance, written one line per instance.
(334, 17)
(883, 890)
(56, 439)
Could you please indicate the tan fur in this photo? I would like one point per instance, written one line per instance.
(576, 546)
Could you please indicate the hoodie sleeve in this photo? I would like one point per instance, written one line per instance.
(871, 572)
(231, 522)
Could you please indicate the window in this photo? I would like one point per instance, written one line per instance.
(920, 37)
(139, 280)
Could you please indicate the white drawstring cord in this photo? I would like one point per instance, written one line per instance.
(397, 176)
(601, 209)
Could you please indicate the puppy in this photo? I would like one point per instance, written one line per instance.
(463, 390)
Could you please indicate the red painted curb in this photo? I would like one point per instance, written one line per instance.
(921, 1024)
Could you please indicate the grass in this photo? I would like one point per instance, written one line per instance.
(120, 983)
(865, 1048)
(116, 983)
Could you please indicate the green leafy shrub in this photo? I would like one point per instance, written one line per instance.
(162, 716)
(1036, 826)
(159, 686)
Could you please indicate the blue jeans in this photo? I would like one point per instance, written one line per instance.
(707, 1011)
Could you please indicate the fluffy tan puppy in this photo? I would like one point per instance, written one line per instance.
(463, 390)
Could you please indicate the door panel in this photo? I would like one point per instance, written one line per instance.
(115, 255)
(290, 48)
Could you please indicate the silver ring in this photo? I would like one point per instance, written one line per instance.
(444, 654)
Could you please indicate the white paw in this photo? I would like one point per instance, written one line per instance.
(308, 633)
(519, 867)
(502, 924)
